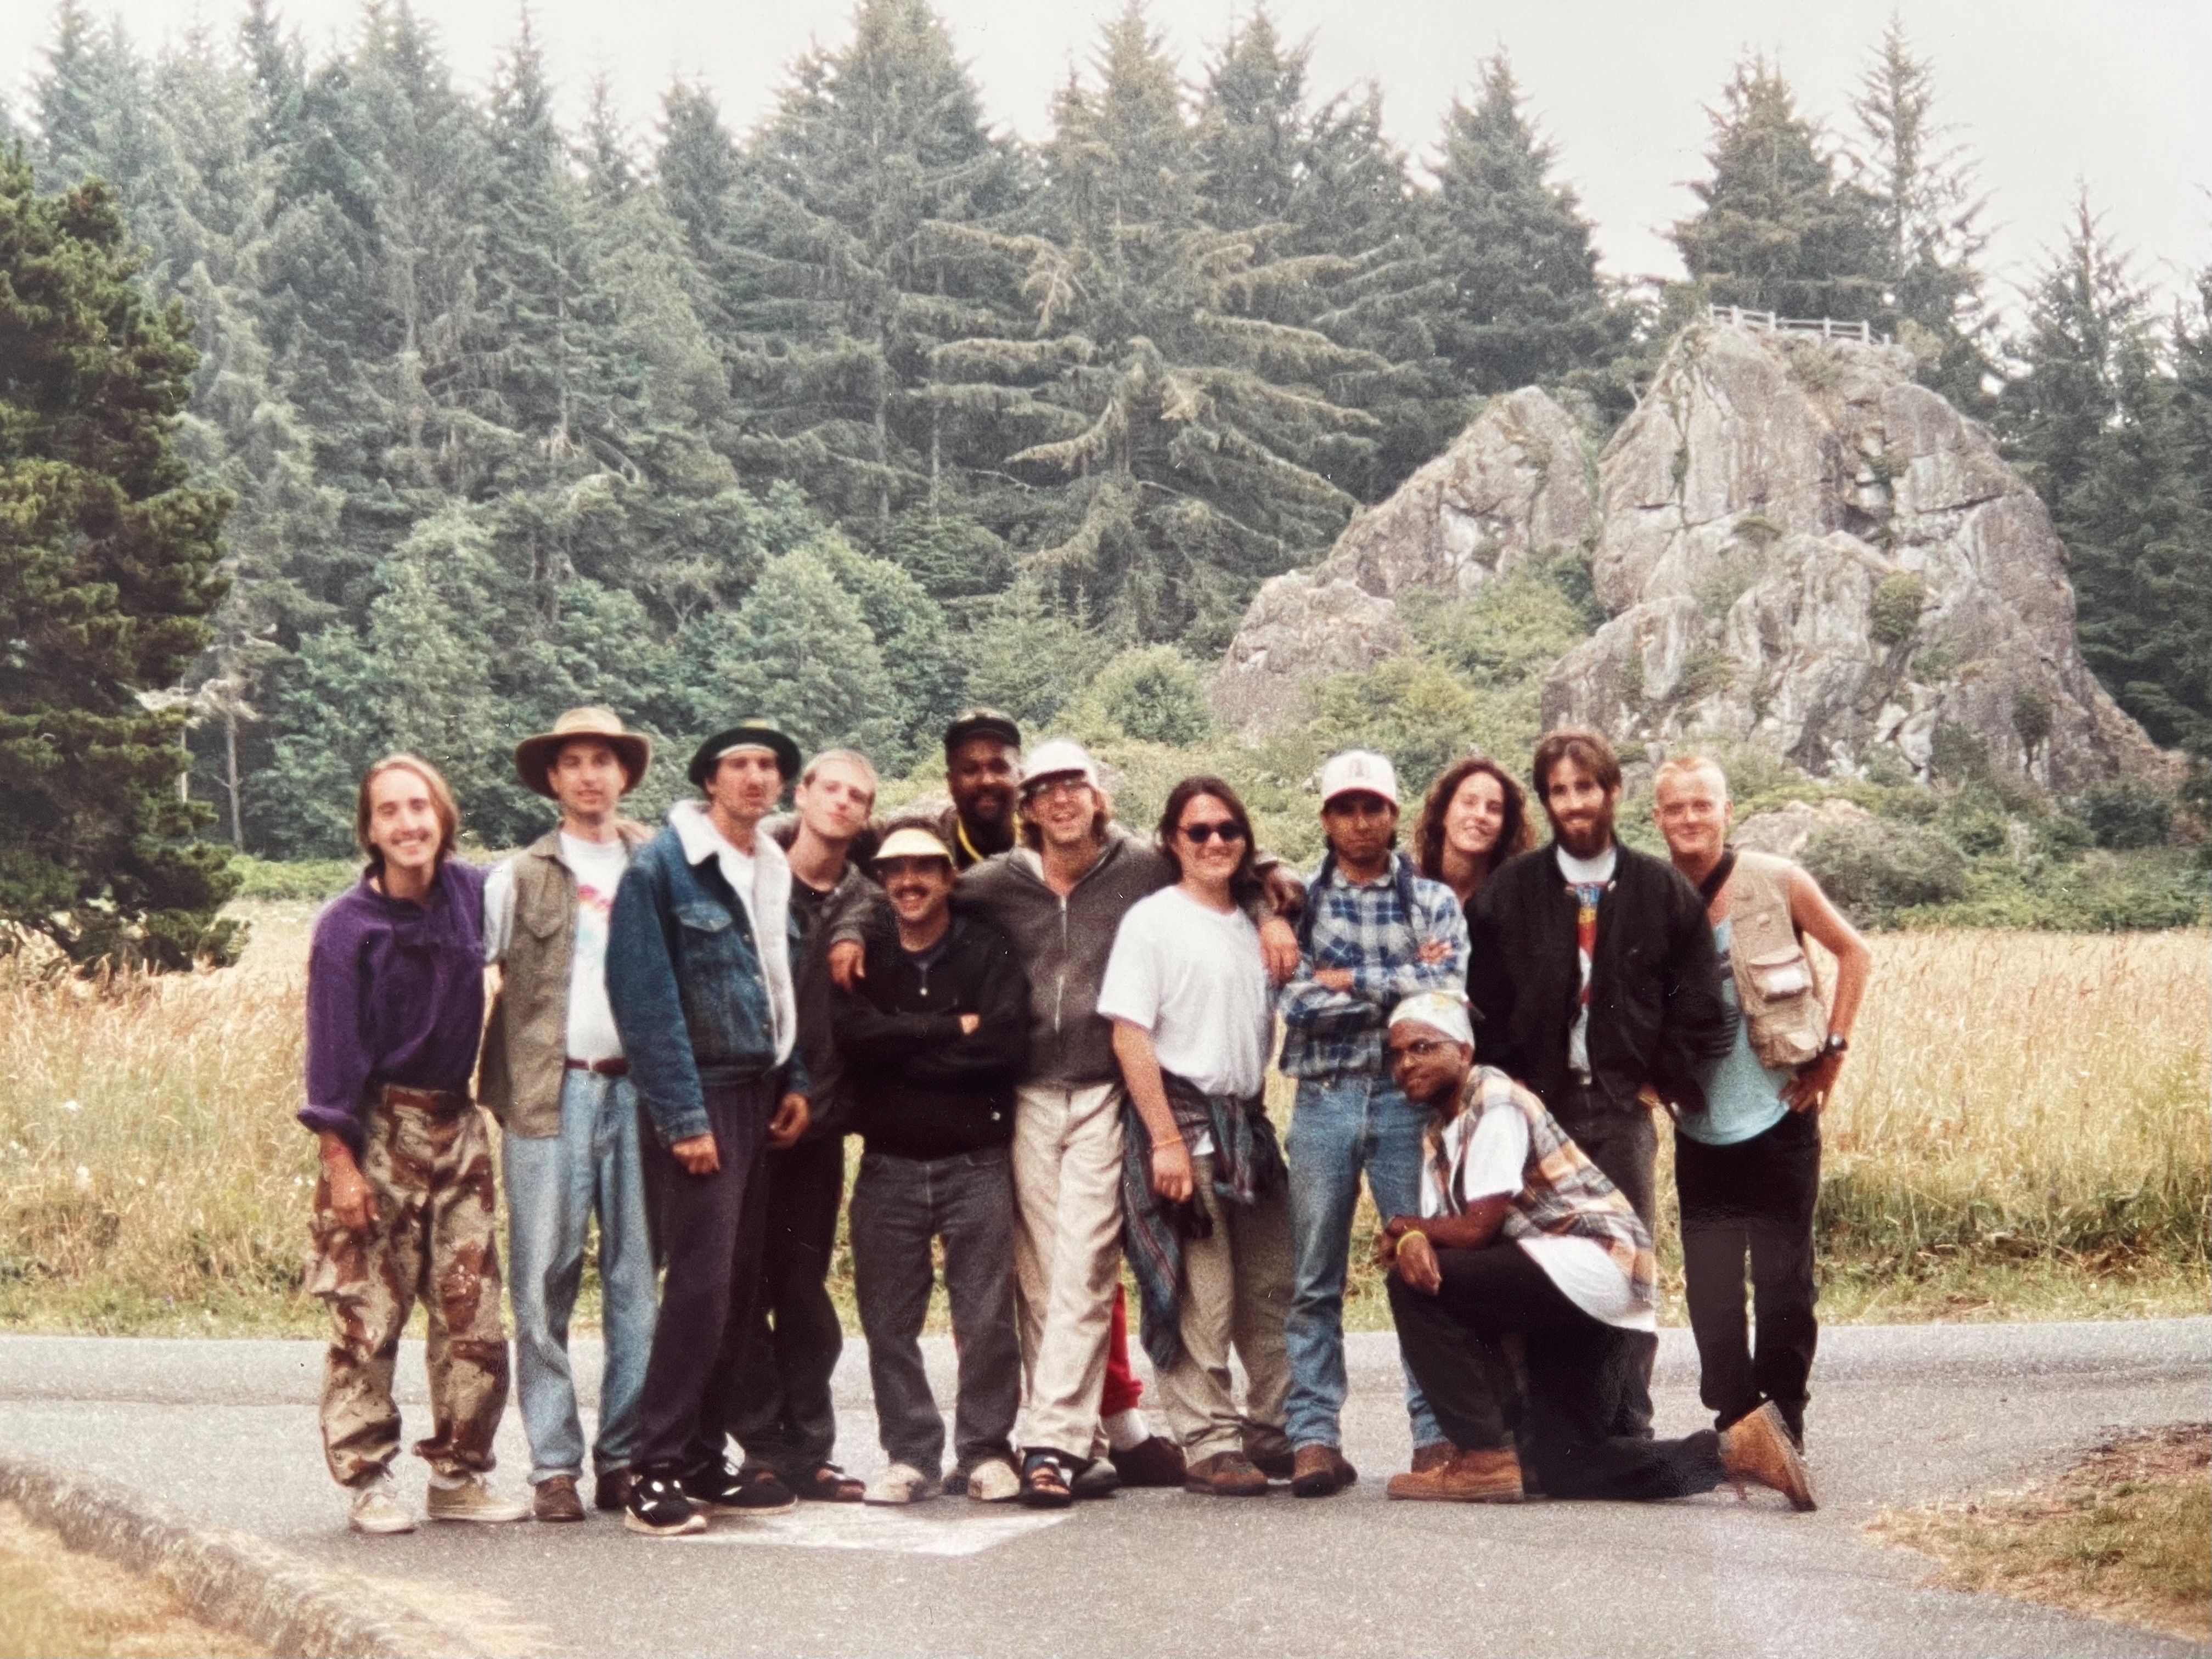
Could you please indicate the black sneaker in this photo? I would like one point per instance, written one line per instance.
(658, 1507)
(721, 1489)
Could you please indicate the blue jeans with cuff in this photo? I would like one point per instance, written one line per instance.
(1340, 1126)
(554, 1184)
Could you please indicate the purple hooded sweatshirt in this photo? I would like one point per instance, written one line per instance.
(395, 994)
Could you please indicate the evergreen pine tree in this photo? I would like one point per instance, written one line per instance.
(1526, 305)
(1778, 231)
(106, 561)
(1920, 189)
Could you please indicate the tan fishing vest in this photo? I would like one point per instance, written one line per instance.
(1775, 984)
(526, 1052)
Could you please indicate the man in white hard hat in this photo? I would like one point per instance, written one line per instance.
(1373, 933)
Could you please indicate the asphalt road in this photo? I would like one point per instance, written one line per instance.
(225, 1432)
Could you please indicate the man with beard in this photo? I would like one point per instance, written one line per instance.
(1592, 971)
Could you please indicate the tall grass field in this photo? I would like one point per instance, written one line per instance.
(2022, 1131)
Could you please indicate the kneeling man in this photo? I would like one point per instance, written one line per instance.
(1520, 1232)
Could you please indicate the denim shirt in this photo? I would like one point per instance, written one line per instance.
(690, 994)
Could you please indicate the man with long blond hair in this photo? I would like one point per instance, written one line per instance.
(395, 1008)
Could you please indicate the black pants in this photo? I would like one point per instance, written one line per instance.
(1450, 1344)
(783, 1416)
(1755, 1198)
(710, 1230)
(1622, 1141)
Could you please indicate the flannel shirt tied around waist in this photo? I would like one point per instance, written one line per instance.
(1375, 930)
(1248, 1164)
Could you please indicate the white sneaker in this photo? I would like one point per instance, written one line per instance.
(903, 1483)
(471, 1499)
(377, 1509)
(993, 1481)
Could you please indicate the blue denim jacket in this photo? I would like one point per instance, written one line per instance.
(689, 993)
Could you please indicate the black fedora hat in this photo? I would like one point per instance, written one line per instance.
(748, 734)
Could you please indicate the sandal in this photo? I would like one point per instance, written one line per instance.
(828, 1484)
(1048, 1481)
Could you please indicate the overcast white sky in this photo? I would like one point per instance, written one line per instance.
(2045, 91)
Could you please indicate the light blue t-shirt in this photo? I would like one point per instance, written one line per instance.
(1743, 1098)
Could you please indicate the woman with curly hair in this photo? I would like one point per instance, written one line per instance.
(1474, 817)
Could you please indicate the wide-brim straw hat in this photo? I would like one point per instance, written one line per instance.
(746, 734)
(534, 756)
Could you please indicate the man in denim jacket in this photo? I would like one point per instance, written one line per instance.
(699, 975)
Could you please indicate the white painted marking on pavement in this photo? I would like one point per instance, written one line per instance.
(871, 1527)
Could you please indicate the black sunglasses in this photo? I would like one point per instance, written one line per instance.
(1199, 833)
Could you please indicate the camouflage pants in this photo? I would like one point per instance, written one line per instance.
(431, 1173)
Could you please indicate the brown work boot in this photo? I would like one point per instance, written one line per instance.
(1758, 1449)
(1434, 1456)
(1319, 1470)
(1267, 1448)
(553, 1498)
(610, 1491)
(1225, 1474)
(1492, 1475)
(1151, 1462)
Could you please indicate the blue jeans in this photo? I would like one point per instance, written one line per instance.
(554, 1183)
(1339, 1127)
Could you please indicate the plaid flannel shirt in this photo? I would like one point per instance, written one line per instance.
(1563, 1193)
(1363, 926)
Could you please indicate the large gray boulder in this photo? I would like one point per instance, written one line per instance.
(1801, 545)
(1518, 479)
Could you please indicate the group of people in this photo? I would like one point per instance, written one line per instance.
(1052, 1036)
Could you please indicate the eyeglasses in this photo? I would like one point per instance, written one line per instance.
(1052, 789)
(1419, 1049)
(1199, 833)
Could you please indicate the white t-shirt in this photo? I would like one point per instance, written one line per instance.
(599, 866)
(1584, 872)
(1194, 979)
(1486, 1154)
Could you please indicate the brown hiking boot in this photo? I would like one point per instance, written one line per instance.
(1319, 1470)
(1152, 1462)
(553, 1498)
(1434, 1456)
(1758, 1449)
(611, 1491)
(1267, 1449)
(1488, 1476)
(1225, 1474)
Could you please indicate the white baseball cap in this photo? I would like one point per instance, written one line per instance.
(1359, 771)
(1057, 758)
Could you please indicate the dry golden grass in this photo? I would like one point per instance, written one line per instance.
(2021, 1132)
(59, 1603)
(2125, 1534)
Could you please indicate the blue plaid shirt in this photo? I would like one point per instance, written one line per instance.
(1364, 927)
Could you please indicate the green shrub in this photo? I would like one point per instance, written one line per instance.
(1718, 590)
(1893, 615)
(1705, 672)
(2122, 816)
(1874, 870)
(309, 879)
(1955, 754)
(1151, 693)
(1935, 663)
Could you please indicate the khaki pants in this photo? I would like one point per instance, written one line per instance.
(434, 1239)
(1068, 1255)
(1236, 1289)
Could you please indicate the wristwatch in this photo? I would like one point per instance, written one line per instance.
(1837, 1043)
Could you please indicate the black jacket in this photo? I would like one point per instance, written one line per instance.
(919, 1088)
(1655, 1005)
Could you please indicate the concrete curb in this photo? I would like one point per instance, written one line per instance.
(229, 1578)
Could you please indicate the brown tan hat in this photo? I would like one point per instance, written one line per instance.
(534, 756)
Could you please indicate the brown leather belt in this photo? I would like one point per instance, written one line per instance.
(601, 1067)
(443, 1101)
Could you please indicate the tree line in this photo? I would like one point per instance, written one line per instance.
(874, 410)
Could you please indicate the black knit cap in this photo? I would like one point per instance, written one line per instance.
(758, 734)
(981, 723)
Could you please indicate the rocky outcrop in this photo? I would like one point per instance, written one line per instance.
(1785, 831)
(1802, 546)
(1517, 480)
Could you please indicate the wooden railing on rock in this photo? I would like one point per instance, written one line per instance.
(1768, 322)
